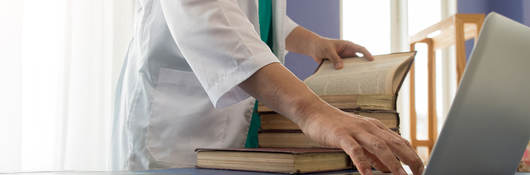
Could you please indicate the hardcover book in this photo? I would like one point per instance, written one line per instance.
(286, 160)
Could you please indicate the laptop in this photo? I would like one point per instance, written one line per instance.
(488, 126)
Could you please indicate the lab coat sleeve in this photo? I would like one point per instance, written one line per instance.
(288, 26)
(283, 26)
(219, 43)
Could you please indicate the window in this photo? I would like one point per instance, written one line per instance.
(384, 26)
(367, 23)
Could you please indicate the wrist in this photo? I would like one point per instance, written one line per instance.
(316, 46)
(309, 111)
(303, 41)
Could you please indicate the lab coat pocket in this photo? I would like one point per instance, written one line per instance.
(182, 119)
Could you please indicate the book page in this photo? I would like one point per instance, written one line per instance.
(358, 76)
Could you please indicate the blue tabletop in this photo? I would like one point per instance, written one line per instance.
(201, 171)
(187, 171)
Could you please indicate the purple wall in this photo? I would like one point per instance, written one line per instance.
(510, 8)
(321, 17)
(518, 10)
(526, 12)
(473, 6)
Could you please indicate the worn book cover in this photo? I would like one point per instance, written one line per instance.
(289, 139)
(275, 121)
(279, 160)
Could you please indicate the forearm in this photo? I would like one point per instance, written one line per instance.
(276, 87)
(365, 140)
(301, 41)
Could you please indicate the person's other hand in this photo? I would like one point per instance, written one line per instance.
(335, 50)
(366, 140)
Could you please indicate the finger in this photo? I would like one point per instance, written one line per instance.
(380, 125)
(363, 50)
(398, 144)
(335, 58)
(380, 149)
(366, 53)
(348, 50)
(356, 153)
(376, 163)
(402, 149)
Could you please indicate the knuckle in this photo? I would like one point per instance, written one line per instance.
(378, 144)
(374, 121)
(322, 49)
(330, 48)
(370, 119)
(340, 132)
(357, 151)
(417, 161)
(369, 122)
(406, 142)
(397, 142)
(363, 122)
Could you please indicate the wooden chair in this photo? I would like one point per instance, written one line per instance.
(454, 30)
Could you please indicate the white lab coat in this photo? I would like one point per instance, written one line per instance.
(178, 88)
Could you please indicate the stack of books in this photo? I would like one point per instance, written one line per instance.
(368, 89)
(365, 88)
(279, 132)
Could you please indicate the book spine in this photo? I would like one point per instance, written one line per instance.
(289, 139)
(274, 121)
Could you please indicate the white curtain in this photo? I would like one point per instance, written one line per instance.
(59, 62)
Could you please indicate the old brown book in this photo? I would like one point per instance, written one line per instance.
(275, 121)
(279, 160)
(288, 139)
(361, 84)
(285, 139)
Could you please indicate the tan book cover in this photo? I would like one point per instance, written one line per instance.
(279, 160)
(275, 121)
(288, 139)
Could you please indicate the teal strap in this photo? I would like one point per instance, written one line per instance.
(265, 24)
(255, 124)
(265, 21)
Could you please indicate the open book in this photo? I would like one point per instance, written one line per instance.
(361, 84)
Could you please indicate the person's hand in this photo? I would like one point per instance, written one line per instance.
(335, 50)
(366, 140)
(303, 41)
